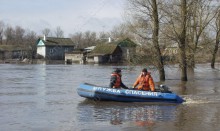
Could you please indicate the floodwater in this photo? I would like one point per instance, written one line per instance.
(43, 97)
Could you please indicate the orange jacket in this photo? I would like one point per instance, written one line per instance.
(145, 83)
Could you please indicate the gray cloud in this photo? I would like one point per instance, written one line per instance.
(71, 15)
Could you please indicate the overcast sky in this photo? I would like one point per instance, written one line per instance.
(71, 15)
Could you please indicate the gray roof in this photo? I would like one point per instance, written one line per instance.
(104, 49)
(57, 41)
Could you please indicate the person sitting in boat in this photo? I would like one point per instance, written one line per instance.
(144, 81)
(115, 81)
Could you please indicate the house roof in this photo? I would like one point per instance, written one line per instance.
(127, 43)
(104, 49)
(56, 41)
(13, 47)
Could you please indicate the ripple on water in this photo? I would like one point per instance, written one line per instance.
(201, 99)
(18, 93)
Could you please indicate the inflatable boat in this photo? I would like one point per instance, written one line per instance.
(126, 95)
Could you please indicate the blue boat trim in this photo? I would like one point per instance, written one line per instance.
(128, 97)
(125, 95)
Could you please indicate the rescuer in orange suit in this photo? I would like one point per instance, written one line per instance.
(144, 81)
(115, 81)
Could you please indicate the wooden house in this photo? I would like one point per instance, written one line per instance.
(1, 54)
(105, 53)
(14, 51)
(76, 56)
(128, 49)
(170, 52)
(52, 48)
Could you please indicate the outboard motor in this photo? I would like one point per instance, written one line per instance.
(164, 89)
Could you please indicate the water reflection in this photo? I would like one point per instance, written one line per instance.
(44, 97)
(116, 113)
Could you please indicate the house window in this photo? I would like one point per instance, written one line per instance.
(51, 51)
(66, 49)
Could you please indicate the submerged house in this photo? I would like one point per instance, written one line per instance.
(105, 53)
(170, 52)
(128, 49)
(1, 54)
(14, 51)
(52, 48)
(76, 56)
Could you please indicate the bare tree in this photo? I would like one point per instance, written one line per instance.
(9, 35)
(85, 39)
(47, 32)
(217, 39)
(59, 32)
(175, 29)
(19, 34)
(2, 26)
(89, 38)
(30, 40)
(145, 24)
(103, 37)
(120, 32)
(201, 13)
(182, 40)
(77, 38)
(160, 63)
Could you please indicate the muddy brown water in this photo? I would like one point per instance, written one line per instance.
(43, 97)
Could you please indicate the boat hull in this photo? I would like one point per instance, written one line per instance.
(125, 95)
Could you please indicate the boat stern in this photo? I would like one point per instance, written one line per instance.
(179, 99)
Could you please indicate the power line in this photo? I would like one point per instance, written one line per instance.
(97, 10)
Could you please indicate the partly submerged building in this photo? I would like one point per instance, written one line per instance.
(52, 48)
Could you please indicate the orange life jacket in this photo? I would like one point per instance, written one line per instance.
(118, 80)
(145, 83)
